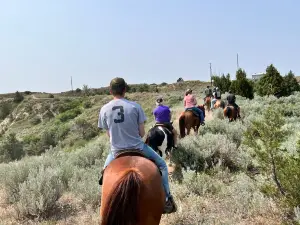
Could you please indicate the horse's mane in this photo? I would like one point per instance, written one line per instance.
(123, 201)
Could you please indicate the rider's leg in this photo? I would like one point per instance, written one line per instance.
(108, 160)
(151, 154)
(200, 114)
(237, 108)
(213, 103)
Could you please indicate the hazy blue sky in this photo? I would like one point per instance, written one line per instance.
(43, 43)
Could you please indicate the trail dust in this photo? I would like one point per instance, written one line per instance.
(208, 117)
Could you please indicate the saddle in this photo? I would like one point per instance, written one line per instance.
(128, 152)
(163, 125)
(195, 113)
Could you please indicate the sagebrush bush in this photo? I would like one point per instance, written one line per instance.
(207, 151)
(84, 183)
(39, 193)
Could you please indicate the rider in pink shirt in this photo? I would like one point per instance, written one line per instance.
(191, 102)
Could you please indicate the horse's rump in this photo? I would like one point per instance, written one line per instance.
(230, 112)
(132, 192)
(159, 137)
(187, 120)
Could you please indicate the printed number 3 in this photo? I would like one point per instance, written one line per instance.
(121, 114)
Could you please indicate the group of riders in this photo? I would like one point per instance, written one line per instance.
(124, 122)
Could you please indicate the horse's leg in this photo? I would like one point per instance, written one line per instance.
(188, 130)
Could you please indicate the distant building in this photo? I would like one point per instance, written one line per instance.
(257, 76)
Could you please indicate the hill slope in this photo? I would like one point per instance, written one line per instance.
(61, 185)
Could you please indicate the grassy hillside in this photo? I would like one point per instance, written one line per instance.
(62, 151)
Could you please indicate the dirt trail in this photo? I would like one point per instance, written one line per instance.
(208, 115)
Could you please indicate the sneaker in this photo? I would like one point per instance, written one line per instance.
(170, 206)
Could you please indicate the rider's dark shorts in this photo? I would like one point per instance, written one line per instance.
(168, 125)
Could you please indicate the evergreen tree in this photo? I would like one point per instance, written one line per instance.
(18, 97)
(271, 83)
(290, 84)
(222, 82)
(242, 86)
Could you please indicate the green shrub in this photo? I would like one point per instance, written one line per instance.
(84, 184)
(86, 130)
(209, 151)
(69, 115)
(39, 193)
(35, 120)
(5, 110)
(69, 104)
(87, 104)
(18, 97)
(30, 138)
(47, 140)
(11, 149)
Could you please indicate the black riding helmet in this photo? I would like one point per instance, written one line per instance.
(159, 99)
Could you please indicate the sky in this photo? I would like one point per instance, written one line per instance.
(44, 43)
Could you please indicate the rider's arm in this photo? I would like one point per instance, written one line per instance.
(141, 120)
(142, 129)
(102, 123)
(195, 100)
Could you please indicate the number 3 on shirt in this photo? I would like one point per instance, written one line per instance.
(120, 113)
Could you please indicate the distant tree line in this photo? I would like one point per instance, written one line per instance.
(271, 83)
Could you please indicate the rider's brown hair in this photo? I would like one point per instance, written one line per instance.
(117, 86)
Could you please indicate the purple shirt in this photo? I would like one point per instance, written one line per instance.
(162, 114)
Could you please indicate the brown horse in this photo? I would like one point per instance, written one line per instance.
(188, 120)
(230, 112)
(132, 191)
(207, 103)
(219, 104)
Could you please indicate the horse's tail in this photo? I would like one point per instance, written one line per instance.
(123, 202)
(222, 104)
(182, 126)
(227, 111)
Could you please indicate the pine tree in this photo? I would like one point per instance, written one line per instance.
(271, 83)
(18, 97)
(290, 84)
(242, 86)
(265, 136)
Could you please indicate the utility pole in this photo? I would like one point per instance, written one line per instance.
(237, 61)
(210, 74)
(71, 84)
